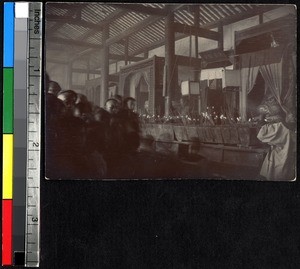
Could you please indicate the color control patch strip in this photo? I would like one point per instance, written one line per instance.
(8, 132)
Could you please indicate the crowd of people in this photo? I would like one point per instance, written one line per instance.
(84, 140)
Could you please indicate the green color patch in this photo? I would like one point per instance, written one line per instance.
(8, 100)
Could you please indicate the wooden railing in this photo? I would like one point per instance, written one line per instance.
(240, 135)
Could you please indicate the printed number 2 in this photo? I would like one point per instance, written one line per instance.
(35, 144)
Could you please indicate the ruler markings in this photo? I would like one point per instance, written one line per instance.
(33, 124)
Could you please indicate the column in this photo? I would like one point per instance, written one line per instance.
(126, 50)
(70, 75)
(196, 73)
(171, 69)
(104, 67)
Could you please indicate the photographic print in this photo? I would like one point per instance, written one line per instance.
(170, 91)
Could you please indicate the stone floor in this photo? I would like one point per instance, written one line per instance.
(155, 165)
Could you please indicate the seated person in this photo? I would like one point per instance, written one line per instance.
(116, 152)
(131, 124)
(69, 98)
(83, 111)
(53, 88)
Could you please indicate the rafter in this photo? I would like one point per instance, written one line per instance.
(111, 17)
(241, 16)
(151, 11)
(67, 6)
(140, 25)
(138, 8)
(71, 42)
(156, 44)
(75, 21)
(81, 70)
(120, 57)
(136, 28)
(187, 61)
(71, 12)
(197, 31)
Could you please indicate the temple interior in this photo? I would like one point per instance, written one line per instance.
(198, 75)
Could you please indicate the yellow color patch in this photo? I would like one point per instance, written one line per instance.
(7, 172)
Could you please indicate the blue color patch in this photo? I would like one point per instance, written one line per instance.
(8, 34)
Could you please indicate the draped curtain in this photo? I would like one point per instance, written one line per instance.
(248, 73)
(230, 104)
(135, 80)
(272, 74)
(270, 64)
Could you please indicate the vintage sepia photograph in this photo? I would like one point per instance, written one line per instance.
(170, 91)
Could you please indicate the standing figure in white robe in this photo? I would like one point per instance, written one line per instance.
(279, 163)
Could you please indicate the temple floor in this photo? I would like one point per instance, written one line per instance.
(157, 165)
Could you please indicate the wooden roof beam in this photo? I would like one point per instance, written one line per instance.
(58, 25)
(67, 6)
(151, 11)
(136, 28)
(156, 44)
(188, 61)
(242, 16)
(120, 57)
(138, 8)
(75, 21)
(139, 26)
(196, 31)
(111, 17)
(71, 42)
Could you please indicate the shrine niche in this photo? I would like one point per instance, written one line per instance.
(144, 82)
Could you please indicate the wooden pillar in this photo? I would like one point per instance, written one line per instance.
(70, 74)
(104, 67)
(196, 73)
(261, 18)
(196, 24)
(171, 69)
(88, 69)
(126, 50)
